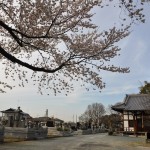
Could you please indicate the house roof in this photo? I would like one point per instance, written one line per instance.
(42, 119)
(11, 110)
(59, 120)
(134, 102)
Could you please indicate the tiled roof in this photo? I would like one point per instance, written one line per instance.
(11, 110)
(134, 102)
(42, 119)
(56, 119)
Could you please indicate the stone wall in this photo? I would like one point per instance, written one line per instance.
(88, 131)
(25, 133)
(53, 132)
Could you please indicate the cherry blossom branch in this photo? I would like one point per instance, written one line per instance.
(15, 60)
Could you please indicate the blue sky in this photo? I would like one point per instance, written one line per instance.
(135, 54)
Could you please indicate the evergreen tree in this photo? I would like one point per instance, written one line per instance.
(145, 89)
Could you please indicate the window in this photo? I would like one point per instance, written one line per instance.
(131, 123)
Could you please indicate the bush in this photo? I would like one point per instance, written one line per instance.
(59, 129)
(66, 129)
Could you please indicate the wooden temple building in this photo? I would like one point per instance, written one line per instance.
(135, 110)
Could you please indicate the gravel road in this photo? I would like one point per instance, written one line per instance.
(81, 142)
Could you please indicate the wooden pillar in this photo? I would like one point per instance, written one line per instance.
(135, 123)
(142, 121)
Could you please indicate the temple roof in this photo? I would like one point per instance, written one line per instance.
(134, 102)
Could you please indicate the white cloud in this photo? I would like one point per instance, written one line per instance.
(119, 90)
(74, 97)
(140, 50)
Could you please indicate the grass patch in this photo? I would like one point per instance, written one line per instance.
(10, 140)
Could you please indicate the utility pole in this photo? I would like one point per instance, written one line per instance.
(76, 118)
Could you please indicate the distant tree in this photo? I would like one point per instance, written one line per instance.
(112, 119)
(145, 89)
(58, 39)
(93, 114)
(84, 118)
